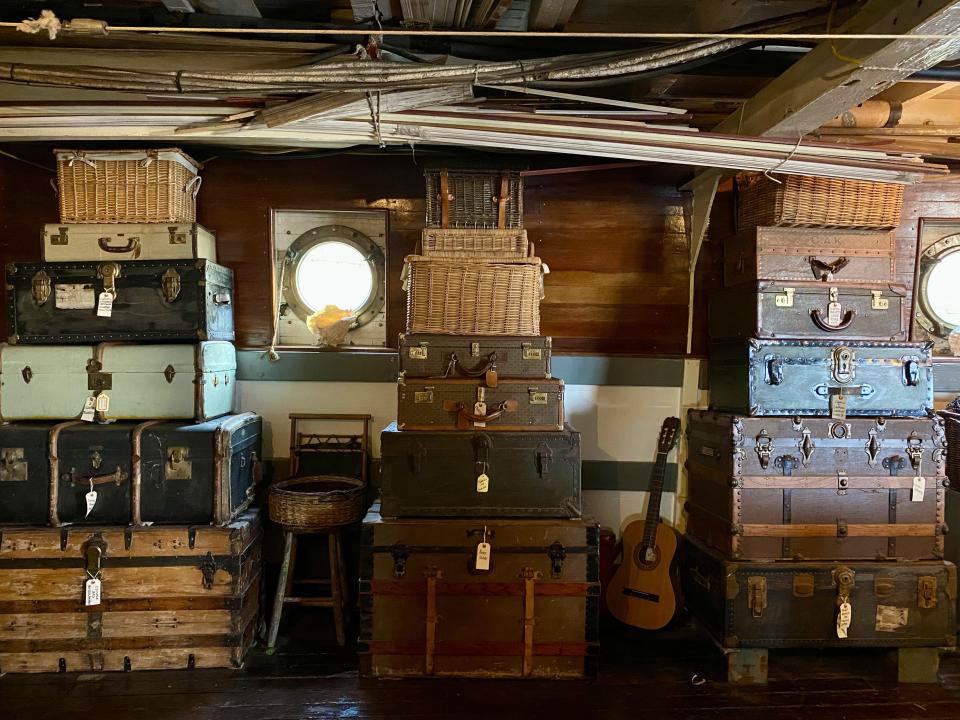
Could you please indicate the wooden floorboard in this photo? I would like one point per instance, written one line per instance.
(644, 676)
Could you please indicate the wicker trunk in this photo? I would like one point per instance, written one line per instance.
(175, 597)
(474, 199)
(513, 405)
(475, 243)
(809, 310)
(426, 610)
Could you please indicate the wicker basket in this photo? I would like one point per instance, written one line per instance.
(475, 244)
(315, 502)
(127, 186)
(951, 417)
(474, 199)
(798, 201)
(458, 297)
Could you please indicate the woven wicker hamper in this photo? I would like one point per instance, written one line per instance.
(127, 186)
(951, 417)
(474, 199)
(475, 244)
(799, 201)
(460, 297)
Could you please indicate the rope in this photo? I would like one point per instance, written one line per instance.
(271, 352)
(783, 162)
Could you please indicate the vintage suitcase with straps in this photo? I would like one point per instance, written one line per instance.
(115, 381)
(476, 356)
(797, 604)
(465, 404)
(162, 597)
(821, 378)
(788, 254)
(128, 241)
(480, 474)
(142, 473)
(809, 309)
(526, 607)
(149, 300)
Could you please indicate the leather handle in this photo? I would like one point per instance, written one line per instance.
(818, 320)
(465, 417)
(479, 370)
(822, 269)
(117, 476)
(132, 245)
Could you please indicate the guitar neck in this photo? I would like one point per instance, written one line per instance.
(656, 493)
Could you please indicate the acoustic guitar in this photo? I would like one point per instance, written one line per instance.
(642, 591)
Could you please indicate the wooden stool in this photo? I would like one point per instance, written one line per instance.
(338, 592)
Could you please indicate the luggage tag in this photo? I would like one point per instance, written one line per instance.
(844, 617)
(834, 311)
(91, 498)
(482, 561)
(92, 590)
(102, 403)
(483, 483)
(104, 304)
(89, 409)
(919, 482)
(838, 407)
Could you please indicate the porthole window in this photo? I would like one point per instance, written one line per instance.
(938, 290)
(334, 266)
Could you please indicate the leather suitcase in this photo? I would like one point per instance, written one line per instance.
(426, 610)
(478, 474)
(128, 241)
(513, 405)
(477, 356)
(791, 254)
(738, 446)
(172, 597)
(806, 377)
(141, 382)
(796, 604)
(147, 473)
(182, 300)
(809, 310)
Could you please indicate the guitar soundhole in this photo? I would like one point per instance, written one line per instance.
(641, 560)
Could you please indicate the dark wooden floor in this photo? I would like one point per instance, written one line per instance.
(644, 677)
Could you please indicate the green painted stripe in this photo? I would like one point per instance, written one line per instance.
(384, 367)
(616, 475)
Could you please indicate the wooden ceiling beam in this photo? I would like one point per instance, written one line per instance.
(837, 75)
(551, 14)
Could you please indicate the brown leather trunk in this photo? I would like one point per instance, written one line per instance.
(173, 597)
(426, 610)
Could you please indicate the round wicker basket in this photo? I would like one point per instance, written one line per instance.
(315, 502)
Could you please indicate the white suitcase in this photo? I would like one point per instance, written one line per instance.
(142, 382)
(147, 241)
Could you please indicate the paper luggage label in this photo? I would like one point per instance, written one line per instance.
(74, 296)
(483, 556)
(843, 619)
(105, 305)
(890, 618)
(919, 486)
(483, 483)
(92, 588)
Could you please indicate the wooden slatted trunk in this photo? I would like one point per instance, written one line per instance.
(173, 597)
(426, 610)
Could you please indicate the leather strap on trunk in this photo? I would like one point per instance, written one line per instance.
(54, 460)
(430, 648)
(135, 471)
(444, 199)
(502, 202)
(529, 577)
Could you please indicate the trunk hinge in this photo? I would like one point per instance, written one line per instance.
(557, 553)
(926, 592)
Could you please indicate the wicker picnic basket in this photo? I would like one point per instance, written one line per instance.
(475, 244)
(951, 417)
(474, 199)
(799, 201)
(314, 502)
(459, 297)
(127, 186)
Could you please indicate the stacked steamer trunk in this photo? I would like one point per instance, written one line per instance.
(816, 481)
(126, 537)
(478, 563)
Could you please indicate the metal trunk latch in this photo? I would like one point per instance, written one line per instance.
(843, 578)
(557, 553)
(544, 460)
(474, 349)
(528, 352)
(400, 554)
(419, 352)
(911, 372)
(170, 285)
(873, 447)
(61, 237)
(109, 272)
(803, 585)
(40, 287)
(914, 451)
(177, 237)
(807, 447)
(878, 301)
(926, 591)
(179, 466)
(844, 369)
(774, 371)
(757, 595)
(784, 299)
(424, 396)
(13, 468)
(764, 448)
(208, 569)
(27, 374)
(169, 372)
(97, 380)
(537, 397)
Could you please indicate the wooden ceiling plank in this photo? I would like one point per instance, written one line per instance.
(838, 75)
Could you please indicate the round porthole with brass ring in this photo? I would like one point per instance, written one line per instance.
(938, 292)
(334, 265)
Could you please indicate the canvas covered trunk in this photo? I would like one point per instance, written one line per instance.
(175, 597)
(142, 382)
(817, 377)
(143, 473)
(789, 254)
(477, 356)
(171, 300)
(466, 404)
(809, 309)
(478, 474)
(128, 241)
(795, 604)
(426, 610)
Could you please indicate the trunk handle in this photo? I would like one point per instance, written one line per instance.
(818, 320)
(132, 246)
(465, 418)
(823, 270)
(117, 477)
